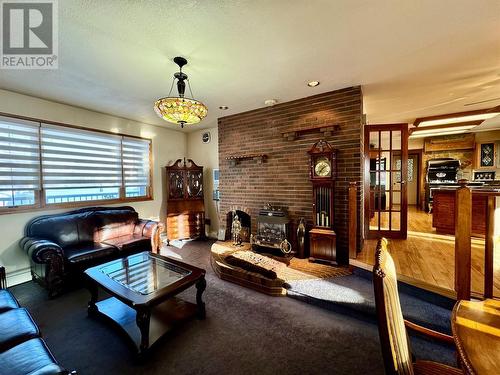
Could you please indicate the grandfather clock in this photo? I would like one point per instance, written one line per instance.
(323, 170)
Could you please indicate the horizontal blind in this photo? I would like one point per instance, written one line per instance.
(75, 158)
(19, 154)
(136, 161)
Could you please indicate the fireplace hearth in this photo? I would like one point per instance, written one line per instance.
(273, 227)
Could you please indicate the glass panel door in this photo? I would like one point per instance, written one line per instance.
(386, 154)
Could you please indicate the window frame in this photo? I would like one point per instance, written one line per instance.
(40, 198)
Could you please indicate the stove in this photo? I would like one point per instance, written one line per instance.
(440, 172)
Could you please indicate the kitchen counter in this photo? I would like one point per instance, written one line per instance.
(443, 209)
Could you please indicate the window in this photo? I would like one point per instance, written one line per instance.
(76, 165)
(19, 162)
(80, 165)
(136, 166)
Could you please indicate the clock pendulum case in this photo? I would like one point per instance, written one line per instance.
(323, 170)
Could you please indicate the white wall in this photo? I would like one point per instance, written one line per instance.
(168, 145)
(206, 155)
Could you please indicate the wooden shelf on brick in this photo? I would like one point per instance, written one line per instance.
(237, 159)
(327, 130)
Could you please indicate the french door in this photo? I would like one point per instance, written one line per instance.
(386, 171)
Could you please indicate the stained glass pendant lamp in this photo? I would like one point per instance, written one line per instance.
(180, 110)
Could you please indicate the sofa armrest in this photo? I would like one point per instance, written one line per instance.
(3, 278)
(151, 229)
(49, 254)
(40, 250)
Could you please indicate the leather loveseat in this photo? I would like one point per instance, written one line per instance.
(22, 349)
(60, 247)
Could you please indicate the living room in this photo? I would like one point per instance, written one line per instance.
(219, 187)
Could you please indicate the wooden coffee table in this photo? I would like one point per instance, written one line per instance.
(143, 289)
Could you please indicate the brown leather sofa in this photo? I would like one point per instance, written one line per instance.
(60, 247)
(22, 349)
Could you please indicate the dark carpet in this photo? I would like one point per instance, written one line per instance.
(355, 293)
(245, 332)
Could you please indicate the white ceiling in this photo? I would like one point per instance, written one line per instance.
(413, 58)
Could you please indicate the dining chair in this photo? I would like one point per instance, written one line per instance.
(396, 350)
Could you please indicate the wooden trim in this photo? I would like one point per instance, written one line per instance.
(353, 219)
(58, 206)
(456, 114)
(463, 228)
(327, 130)
(463, 358)
(429, 332)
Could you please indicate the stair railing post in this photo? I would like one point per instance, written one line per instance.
(489, 247)
(463, 213)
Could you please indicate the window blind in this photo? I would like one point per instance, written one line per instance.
(136, 164)
(19, 155)
(75, 158)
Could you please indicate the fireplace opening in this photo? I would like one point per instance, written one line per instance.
(246, 225)
(273, 230)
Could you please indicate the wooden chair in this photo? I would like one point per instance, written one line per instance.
(392, 326)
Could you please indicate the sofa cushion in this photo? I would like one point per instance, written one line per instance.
(7, 301)
(16, 326)
(116, 223)
(61, 229)
(130, 243)
(89, 252)
(30, 357)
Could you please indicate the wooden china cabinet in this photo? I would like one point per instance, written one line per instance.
(185, 203)
(322, 238)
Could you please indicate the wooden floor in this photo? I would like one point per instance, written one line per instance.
(427, 260)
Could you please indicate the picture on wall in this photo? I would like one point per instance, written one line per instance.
(487, 155)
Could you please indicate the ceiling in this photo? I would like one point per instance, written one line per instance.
(412, 58)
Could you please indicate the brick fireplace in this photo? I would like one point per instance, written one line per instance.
(277, 169)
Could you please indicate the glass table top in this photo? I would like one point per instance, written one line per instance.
(144, 273)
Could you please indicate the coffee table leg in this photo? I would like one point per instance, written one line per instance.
(94, 294)
(200, 288)
(142, 319)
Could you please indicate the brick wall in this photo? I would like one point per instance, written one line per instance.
(283, 179)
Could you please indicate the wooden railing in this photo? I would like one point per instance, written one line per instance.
(463, 248)
(353, 219)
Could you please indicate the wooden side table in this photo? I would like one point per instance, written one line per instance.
(476, 332)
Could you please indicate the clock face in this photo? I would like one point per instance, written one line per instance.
(323, 168)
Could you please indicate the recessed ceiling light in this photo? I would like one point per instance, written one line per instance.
(313, 83)
(270, 102)
(223, 107)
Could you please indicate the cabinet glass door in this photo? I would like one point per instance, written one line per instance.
(386, 169)
(194, 184)
(175, 185)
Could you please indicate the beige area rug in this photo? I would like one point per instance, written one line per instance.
(297, 269)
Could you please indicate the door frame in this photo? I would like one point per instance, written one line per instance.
(403, 231)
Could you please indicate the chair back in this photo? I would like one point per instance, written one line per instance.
(393, 336)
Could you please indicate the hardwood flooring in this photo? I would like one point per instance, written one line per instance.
(427, 259)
